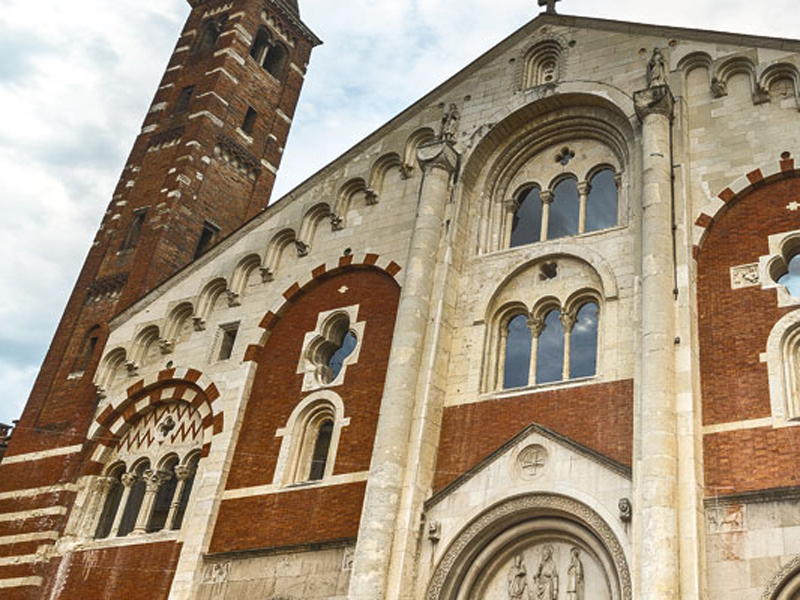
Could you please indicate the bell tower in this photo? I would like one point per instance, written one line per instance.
(203, 164)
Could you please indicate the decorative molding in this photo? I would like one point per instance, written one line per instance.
(781, 578)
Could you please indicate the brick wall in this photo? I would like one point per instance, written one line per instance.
(598, 416)
(277, 391)
(734, 326)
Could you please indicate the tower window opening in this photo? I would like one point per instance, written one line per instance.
(184, 100)
(207, 238)
(209, 36)
(275, 60)
(319, 458)
(134, 230)
(249, 120)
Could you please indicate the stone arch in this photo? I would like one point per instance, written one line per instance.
(241, 275)
(207, 300)
(110, 366)
(277, 245)
(514, 522)
(344, 199)
(169, 385)
(380, 169)
(311, 221)
(785, 584)
(773, 74)
(174, 324)
(524, 133)
(543, 63)
(738, 189)
(696, 60)
(142, 344)
(736, 65)
(414, 141)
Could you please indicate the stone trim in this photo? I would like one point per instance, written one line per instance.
(21, 582)
(773, 495)
(42, 455)
(715, 208)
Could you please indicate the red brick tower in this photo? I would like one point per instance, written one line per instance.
(204, 163)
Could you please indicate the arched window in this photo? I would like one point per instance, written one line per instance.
(602, 204)
(260, 45)
(550, 349)
(112, 502)
(136, 488)
(209, 36)
(527, 225)
(564, 211)
(583, 342)
(516, 369)
(275, 61)
(164, 496)
(319, 458)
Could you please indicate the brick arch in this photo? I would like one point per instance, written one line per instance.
(315, 277)
(741, 187)
(176, 384)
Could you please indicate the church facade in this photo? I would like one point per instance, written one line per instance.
(535, 338)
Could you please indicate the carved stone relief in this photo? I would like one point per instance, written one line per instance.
(531, 462)
(745, 276)
(549, 571)
(725, 519)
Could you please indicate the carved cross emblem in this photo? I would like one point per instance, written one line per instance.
(532, 460)
(550, 4)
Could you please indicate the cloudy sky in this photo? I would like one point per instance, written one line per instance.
(76, 79)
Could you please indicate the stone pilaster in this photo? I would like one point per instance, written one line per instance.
(389, 459)
(657, 465)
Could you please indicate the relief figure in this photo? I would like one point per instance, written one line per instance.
(575, 577)
(517, 580)
(546, 579)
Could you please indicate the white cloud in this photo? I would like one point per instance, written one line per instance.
(77, 79)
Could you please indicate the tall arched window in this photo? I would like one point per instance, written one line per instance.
(550, 349)
(583, 342)
(112, 502)
(527, 225)
(322, 445)
(516, 369)
(275, 61)
(209, 36)
(564, 211)
(260, 45)
(164, 496)
(136, 488)
(602, 205)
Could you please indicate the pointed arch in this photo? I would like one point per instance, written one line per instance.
(279, 242)
(380, 169)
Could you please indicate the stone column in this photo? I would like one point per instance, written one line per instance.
(381, 505)
(100, 488)
(128, 481)
(536, 325)
(657, 467)
(546, 197)
(583, 191)
(182, 474)
(567, 322)
(153, 480)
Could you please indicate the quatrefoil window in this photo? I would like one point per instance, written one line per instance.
(780, 269)
(791, 279)
(329, 349)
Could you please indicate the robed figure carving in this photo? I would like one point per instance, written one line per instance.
(546, 579)
(575, 589)
(518, 580)
(657, 69)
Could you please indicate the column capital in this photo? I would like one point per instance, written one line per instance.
(438, 154)
(567, 321)
(154, 479)
(536, 325)
(183, 472)
(546, 196)
(584, 187)
(129, 479)
(105, 484)
(657, 100)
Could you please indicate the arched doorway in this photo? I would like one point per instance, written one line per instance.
(536, 546)
(785, 585)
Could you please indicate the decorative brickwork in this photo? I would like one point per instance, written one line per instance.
(734, 326)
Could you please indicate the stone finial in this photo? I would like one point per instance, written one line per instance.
(550, 5)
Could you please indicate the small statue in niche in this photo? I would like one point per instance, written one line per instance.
(546, 579)
(518, 580)
(450, 121)
(657, 69)
(575, 577)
